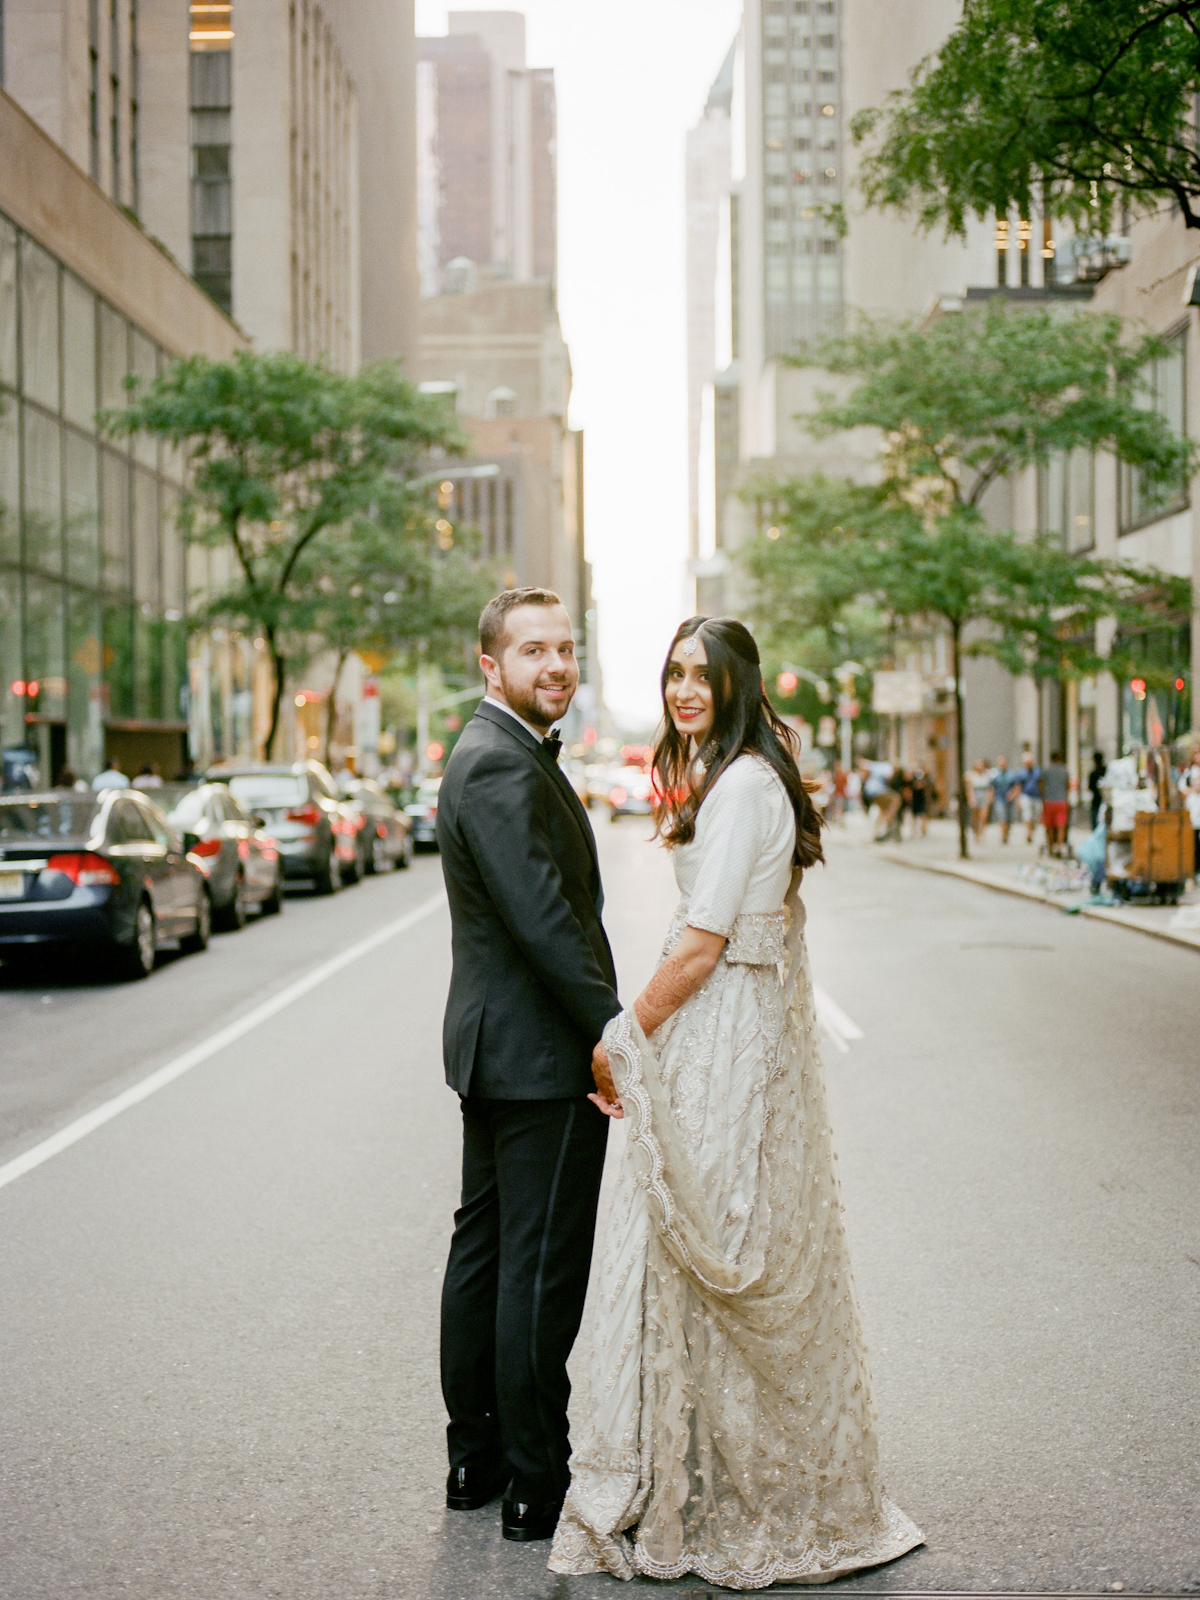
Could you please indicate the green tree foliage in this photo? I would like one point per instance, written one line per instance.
(960, 404)
(386, 579)
(280, 452)
(1074, 106)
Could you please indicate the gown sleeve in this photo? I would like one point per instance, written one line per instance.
(732, 830)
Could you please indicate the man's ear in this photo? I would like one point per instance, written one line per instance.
(490, 667)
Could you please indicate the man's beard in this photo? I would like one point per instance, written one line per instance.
(524, 702)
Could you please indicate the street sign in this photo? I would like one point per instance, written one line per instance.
(897, 694)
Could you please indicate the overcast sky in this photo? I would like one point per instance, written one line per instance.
(632, 77)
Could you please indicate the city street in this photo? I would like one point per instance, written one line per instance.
(220, 1307)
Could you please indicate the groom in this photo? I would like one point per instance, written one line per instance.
(532, 988)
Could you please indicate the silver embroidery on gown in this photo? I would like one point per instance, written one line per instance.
(725, 1427)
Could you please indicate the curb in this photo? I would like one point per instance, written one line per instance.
(951, 869)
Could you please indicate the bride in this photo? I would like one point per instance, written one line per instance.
(726, 1426)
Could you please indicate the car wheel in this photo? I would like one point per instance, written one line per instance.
(406, 853)
(380, 860)
(354, 871)
(233, 916)
(273, 904)
(329, 879)
(135, 959)
(197, 941)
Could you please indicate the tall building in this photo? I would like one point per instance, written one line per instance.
(270, 147)
(93, 590)
(490, 332)
(708, 155)
(487, 176)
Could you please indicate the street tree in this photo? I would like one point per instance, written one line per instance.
(280, 450)
(961, 404)
(1071, 107)
(389, 578)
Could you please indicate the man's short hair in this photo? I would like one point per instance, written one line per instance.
(493, 621)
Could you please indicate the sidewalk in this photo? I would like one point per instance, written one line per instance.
(1016, 868)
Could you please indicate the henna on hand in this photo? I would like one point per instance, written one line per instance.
(606, 1096)
(678, 978)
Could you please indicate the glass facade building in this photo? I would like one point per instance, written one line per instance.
(93, 640)
(802, 171)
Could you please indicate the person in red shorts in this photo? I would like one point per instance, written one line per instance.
(1056, 804)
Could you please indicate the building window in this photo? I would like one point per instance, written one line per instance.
(94, 90)
(114, 92)
(1164, 392)
(1066, 499)
(135, 187)
(211, 78)
(89, 551)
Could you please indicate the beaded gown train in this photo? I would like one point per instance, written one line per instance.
(725, 1427)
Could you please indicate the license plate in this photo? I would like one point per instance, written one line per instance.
(12, 885)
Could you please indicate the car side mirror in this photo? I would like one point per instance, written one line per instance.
(258, 820)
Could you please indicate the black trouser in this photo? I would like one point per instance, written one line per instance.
(515, 1284)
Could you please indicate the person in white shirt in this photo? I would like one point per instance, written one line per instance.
(111, 778)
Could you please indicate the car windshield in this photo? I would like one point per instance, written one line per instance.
(46, 819)
(184, 807)
(260, 790)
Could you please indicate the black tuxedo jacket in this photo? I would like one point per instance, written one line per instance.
(533, 982)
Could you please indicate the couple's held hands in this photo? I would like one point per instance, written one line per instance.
(680, 975)
(606, 1096)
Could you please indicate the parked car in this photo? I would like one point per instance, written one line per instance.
(631, 794)
(423, 811)
(385, 831)
(299, 803)
(230, 846)
(106, 872)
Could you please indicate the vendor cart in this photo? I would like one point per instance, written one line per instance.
(1152, 861)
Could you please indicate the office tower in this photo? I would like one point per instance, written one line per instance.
(269, 146)
(486, 154)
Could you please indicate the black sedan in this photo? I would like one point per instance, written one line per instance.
(384, 831)
(105, 872)
(239, 859)
(303, 812)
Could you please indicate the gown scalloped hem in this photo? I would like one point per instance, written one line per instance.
(725, 1425)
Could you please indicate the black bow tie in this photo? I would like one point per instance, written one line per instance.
(553, 744)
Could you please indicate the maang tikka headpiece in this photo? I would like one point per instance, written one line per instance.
(692, 644)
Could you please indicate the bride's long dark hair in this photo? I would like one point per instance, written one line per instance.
(744, 720)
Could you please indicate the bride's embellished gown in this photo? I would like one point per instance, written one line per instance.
(726, 1426)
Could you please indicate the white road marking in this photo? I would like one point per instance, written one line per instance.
(82, 1126)
(834, 1020)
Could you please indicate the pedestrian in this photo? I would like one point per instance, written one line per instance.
(876, 791)
(1002, 806)
(1026, 790)
(854, 784)
(112, 777)
(1192, 801)
(1095, 779)
(726, 1413)
(890, 803)
(979, 795)
(531, 990)
(919, 801)
(837, 809)
(148, 778)
(1056, 805)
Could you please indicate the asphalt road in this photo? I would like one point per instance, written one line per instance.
(218, 1323)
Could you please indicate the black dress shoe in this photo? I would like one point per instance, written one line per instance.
(524, 1522)
(468, 1488)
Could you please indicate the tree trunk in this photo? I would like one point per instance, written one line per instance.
(279, 666)
(331, 708)
(960, 750)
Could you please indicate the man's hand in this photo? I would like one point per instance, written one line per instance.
(606, 1096)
